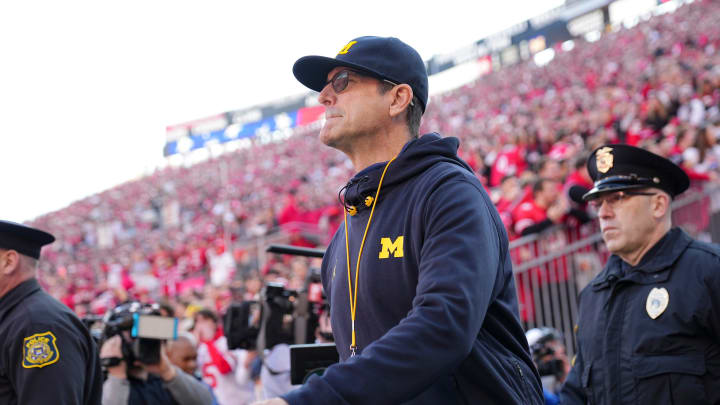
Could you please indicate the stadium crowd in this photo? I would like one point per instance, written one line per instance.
(189, 236)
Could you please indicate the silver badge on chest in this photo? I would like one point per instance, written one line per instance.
(657, 302)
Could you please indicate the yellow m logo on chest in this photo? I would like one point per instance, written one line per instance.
(388, 246)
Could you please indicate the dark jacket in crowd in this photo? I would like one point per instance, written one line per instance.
(437, 319)
(47, 355)
(627, 357)
(183, 389)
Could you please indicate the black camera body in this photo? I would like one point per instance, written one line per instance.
(280, 316)
(286, 316)
(141, 329)
(544, 356)
(547, 364)
(241, 325)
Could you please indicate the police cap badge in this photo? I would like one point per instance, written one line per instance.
(624, 167)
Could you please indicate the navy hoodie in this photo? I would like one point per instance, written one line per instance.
(437, 319)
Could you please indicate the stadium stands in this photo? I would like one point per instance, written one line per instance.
(186, 233)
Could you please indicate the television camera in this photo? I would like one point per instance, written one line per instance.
(285, 316)
(142, 330)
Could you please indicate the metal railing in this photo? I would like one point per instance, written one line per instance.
(552, 267)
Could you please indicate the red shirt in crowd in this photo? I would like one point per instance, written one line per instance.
(509, 162)
(526, 214)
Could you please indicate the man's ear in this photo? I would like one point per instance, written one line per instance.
(661, 204)
(402, 96)
(9, 262)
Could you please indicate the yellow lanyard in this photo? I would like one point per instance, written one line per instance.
(353, 297)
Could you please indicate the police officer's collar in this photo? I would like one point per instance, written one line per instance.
(660, 257)
(16, 295)
(665, 252)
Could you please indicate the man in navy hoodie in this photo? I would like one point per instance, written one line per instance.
(419, 279)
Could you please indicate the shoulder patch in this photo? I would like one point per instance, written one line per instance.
(40, 350)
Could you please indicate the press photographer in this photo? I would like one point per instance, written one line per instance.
(279, 318)
(550, 358)
(134, 356)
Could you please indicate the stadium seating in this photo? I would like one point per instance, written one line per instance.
(656, 85)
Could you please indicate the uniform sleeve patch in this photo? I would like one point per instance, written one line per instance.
(40, 350)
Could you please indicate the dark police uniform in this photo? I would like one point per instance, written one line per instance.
(650, 333)
(47, 355)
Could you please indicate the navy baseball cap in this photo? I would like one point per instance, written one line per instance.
(624, 167)
(385, 58)
(24, 239)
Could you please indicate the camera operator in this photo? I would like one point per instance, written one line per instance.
(549, 355)
(288, 309)
(131, 382)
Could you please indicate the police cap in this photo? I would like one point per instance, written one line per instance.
(24, 239)
(623, 167)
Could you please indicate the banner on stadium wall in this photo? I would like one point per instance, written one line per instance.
(283, 106)
(592, 21)
(308, 115)
(175, 132)
(552, 33)
(192, 141)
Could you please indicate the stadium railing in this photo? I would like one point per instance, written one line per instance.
(552, 267)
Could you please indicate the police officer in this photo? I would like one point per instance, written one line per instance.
(649, 324)
(47, 355)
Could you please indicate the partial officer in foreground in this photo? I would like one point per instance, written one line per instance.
(47, 355)
(649, 324)
(419, 280)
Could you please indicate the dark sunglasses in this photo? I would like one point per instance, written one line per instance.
(340, 81)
